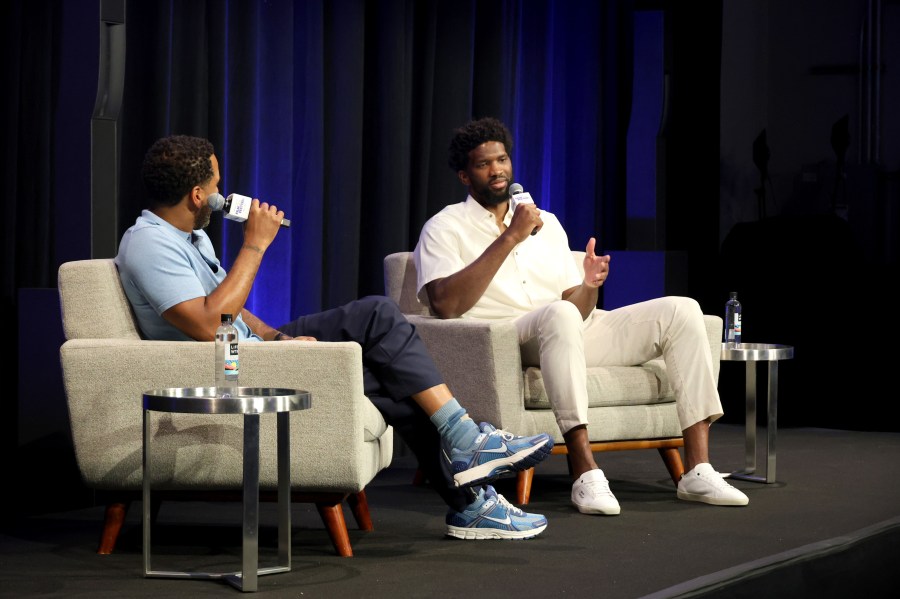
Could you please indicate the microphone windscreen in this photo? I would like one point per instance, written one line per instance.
(216, 201)
(515, 188)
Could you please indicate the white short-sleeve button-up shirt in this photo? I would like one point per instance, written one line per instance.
(534, 274)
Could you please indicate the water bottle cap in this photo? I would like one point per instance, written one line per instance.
(226, 318)
(734, 295)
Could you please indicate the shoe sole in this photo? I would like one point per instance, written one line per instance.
(597, 511)
(711, 500)
(486, 534)
(521, 460)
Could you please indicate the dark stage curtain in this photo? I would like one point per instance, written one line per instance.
(339, 112)
(30, 76)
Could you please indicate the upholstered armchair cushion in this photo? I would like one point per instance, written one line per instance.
(337, 446)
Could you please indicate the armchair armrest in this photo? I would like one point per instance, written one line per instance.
(105, 410)
(481, 363)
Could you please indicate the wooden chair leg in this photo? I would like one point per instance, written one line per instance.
(333, 516)
(523, 486)
(115, 516)
(672, 458)
(359, 505)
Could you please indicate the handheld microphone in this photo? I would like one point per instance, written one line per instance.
(518, 195)
(236, 207)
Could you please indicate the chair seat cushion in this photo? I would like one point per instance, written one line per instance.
(646, 384)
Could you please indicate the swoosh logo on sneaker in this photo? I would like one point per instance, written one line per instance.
(501, 449)
(506, 520)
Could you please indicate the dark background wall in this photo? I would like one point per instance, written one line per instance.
(634, 121)
(816, 254)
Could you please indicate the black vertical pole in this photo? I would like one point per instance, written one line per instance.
(104, 130)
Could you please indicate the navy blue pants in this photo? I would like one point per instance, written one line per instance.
(396, 365)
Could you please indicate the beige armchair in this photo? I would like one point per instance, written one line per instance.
(630, 407)
(337, 446)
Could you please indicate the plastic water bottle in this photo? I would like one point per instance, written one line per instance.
(227, 359)
(733, 321)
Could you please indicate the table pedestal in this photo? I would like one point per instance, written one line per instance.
(751, 353)
(251, 402)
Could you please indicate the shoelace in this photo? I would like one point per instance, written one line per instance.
(507, 436)
(502, 501)
(716, 480)
(599, 487)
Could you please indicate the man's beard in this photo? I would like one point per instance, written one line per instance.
(488, 197)
(201, 221)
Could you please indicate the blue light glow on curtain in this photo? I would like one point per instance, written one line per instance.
(340, 113)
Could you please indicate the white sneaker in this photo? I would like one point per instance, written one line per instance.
(591, 494)
(704, 484)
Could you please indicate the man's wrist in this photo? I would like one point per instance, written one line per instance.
(278, 336)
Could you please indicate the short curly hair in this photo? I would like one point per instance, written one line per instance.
(174, 165)
(473, 134)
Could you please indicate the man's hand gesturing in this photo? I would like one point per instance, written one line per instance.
(596, 268)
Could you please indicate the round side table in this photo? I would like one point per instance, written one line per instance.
(751, 353)
(251, 402)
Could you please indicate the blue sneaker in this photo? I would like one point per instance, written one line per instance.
(497, 453)
(493, 517)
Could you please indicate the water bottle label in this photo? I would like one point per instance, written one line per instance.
(232, 361)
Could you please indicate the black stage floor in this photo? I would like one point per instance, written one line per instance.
(827, 528)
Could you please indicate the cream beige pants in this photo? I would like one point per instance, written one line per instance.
(557, 339)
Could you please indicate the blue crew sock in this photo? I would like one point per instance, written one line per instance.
(453, 425)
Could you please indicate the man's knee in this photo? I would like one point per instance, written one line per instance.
(563, 314)
(686, 306)
(685, 311)
(380, 307)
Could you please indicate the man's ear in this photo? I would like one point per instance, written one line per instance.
(463, 177)
(198, 197)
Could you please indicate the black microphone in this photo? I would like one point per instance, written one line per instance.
(236, 207)
(518, 195)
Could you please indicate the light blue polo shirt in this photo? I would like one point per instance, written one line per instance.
(161, 266)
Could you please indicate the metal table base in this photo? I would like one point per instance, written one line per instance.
(251, 402)
(751, 353)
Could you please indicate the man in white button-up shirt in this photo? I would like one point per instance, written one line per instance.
(480, 259)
